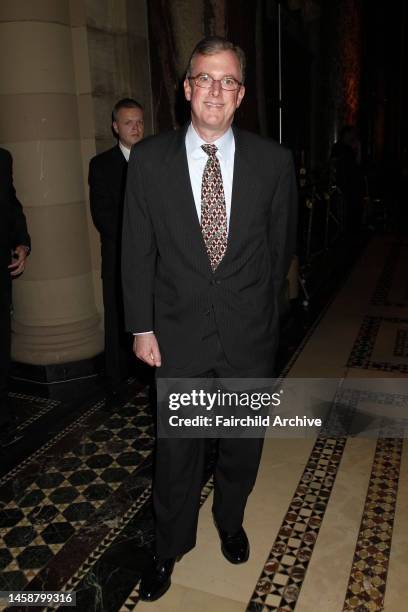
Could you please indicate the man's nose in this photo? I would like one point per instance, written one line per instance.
(216, 88)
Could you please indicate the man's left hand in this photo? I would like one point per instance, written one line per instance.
(18, 265)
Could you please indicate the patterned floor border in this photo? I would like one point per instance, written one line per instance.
(108, 540)
(281, 579)
(48, 445)
(368, 576)
(279, 584)
(360, 355)
(382, 289)
(278, 587)
(47, 406)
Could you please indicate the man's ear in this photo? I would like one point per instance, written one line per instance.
(241, 94)
(187, 89)
(115, 127)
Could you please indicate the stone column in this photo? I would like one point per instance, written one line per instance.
(55, 318)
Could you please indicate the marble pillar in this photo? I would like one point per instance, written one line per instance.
(55, 319)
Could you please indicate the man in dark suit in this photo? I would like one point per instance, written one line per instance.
(208, 235)
(14, 248)
(107, 179)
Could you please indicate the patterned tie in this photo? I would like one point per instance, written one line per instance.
(213, 210)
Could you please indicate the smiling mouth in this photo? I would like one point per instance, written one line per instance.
(213, 104)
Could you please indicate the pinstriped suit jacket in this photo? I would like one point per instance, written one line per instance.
(167, 279)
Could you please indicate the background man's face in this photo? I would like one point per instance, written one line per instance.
(213, 109)
(129, 126)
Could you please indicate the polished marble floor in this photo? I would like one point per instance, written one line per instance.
(327, 520)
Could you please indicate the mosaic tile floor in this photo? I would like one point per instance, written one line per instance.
(368, 576)
(72, 494)
(280, 582)
(380, 345)
(79, 507)
(76, 513)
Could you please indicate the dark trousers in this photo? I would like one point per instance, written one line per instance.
(118, 343)
(180, 467)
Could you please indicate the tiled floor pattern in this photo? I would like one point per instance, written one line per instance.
(39, 455)
(87, 492)
(85, 476)
(108, 540)
(279, 584)
(381, 345)
(368, 576)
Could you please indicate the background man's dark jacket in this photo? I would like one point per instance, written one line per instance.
(167, 279)
(107, 179)
(13, 232)
(13, 227)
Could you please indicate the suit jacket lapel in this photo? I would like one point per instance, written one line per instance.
(245, 191)
(180, 195)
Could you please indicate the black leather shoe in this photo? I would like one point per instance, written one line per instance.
(157, 579)
(234, 547)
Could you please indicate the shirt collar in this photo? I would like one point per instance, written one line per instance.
(224, 144)
(125, 151)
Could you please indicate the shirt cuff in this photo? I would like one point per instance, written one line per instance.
(143, 333)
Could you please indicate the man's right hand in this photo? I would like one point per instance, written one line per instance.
(146, 348)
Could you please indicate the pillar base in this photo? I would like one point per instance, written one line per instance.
(57, 372)
(56, 344)
(63, 381)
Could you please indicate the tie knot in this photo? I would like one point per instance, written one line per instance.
(210, 149)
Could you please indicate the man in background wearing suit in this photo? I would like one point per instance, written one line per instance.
(107, 180)
(208, 235)
(14, 249)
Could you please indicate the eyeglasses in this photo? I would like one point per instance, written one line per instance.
(206, 82)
